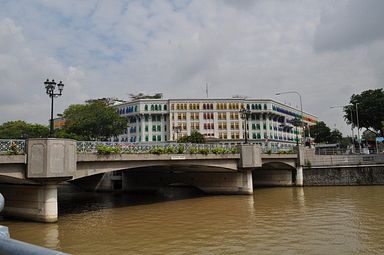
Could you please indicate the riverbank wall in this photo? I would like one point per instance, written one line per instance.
(344, 176)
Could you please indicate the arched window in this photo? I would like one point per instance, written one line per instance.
(146, 107)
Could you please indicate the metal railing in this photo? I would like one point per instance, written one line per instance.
(136, 148)
(348, 151)
(12, 146)
(344, 160)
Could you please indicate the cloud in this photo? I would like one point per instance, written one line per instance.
(22, 76)
(350, 24)
(326, 50)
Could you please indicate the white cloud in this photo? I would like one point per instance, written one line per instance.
(253, 48)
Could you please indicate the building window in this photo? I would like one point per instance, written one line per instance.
(159, 138)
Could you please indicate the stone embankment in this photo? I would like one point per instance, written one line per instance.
(351, 175)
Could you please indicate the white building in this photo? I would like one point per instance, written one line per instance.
(158, 120)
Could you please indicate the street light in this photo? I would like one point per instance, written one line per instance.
(50, 87)
(245, 113)
(301, 108)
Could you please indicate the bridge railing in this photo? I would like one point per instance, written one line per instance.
(12, 146)
(155, 148)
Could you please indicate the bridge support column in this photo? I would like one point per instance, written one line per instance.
(30, 202)
(299, 176)
(299, 167)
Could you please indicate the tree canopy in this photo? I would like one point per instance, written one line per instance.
(323, 134)
(95, 120)
(20, 130)
(195, 137)
(370, 109)
(143, 96)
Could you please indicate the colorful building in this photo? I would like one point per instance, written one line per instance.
(270, 123)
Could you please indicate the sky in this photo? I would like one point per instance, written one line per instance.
(325, 50)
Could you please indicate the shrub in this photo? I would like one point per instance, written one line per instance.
(219, 150)
(107, 150)
(180, 149)
(193, 150)
(157, 150)
(204, 151)
(170, 150)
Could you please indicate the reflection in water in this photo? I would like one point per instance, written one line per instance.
(313, 220)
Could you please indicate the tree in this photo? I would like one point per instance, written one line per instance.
(323, 134)
(20, 130)
(320, 132)
(95, 120)
(195, 137)
(370, 104)
(143, 96)
(335, 136)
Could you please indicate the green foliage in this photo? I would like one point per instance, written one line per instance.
(93, 121)
(195, 137)
(107, 150)
(158, 150)
(335, 137)
(370, 104)
(20, 130)
(143, 96)
(204, 151)
(62, 133)
(286, 151)
(180, 149)
(170, 150)
(193, 150)
(323, 134)
(219, 150)
(320, 132)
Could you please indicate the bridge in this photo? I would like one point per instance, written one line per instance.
(31, 170)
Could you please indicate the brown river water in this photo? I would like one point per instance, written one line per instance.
(310, 220)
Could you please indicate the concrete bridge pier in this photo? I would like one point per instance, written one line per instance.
(299, 166)
(299, 180)
(31, 202)
(49, 162)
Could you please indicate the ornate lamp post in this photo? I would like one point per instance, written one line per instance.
(50, 87)
(245, 113)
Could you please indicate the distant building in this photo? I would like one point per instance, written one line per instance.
(271, 123)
